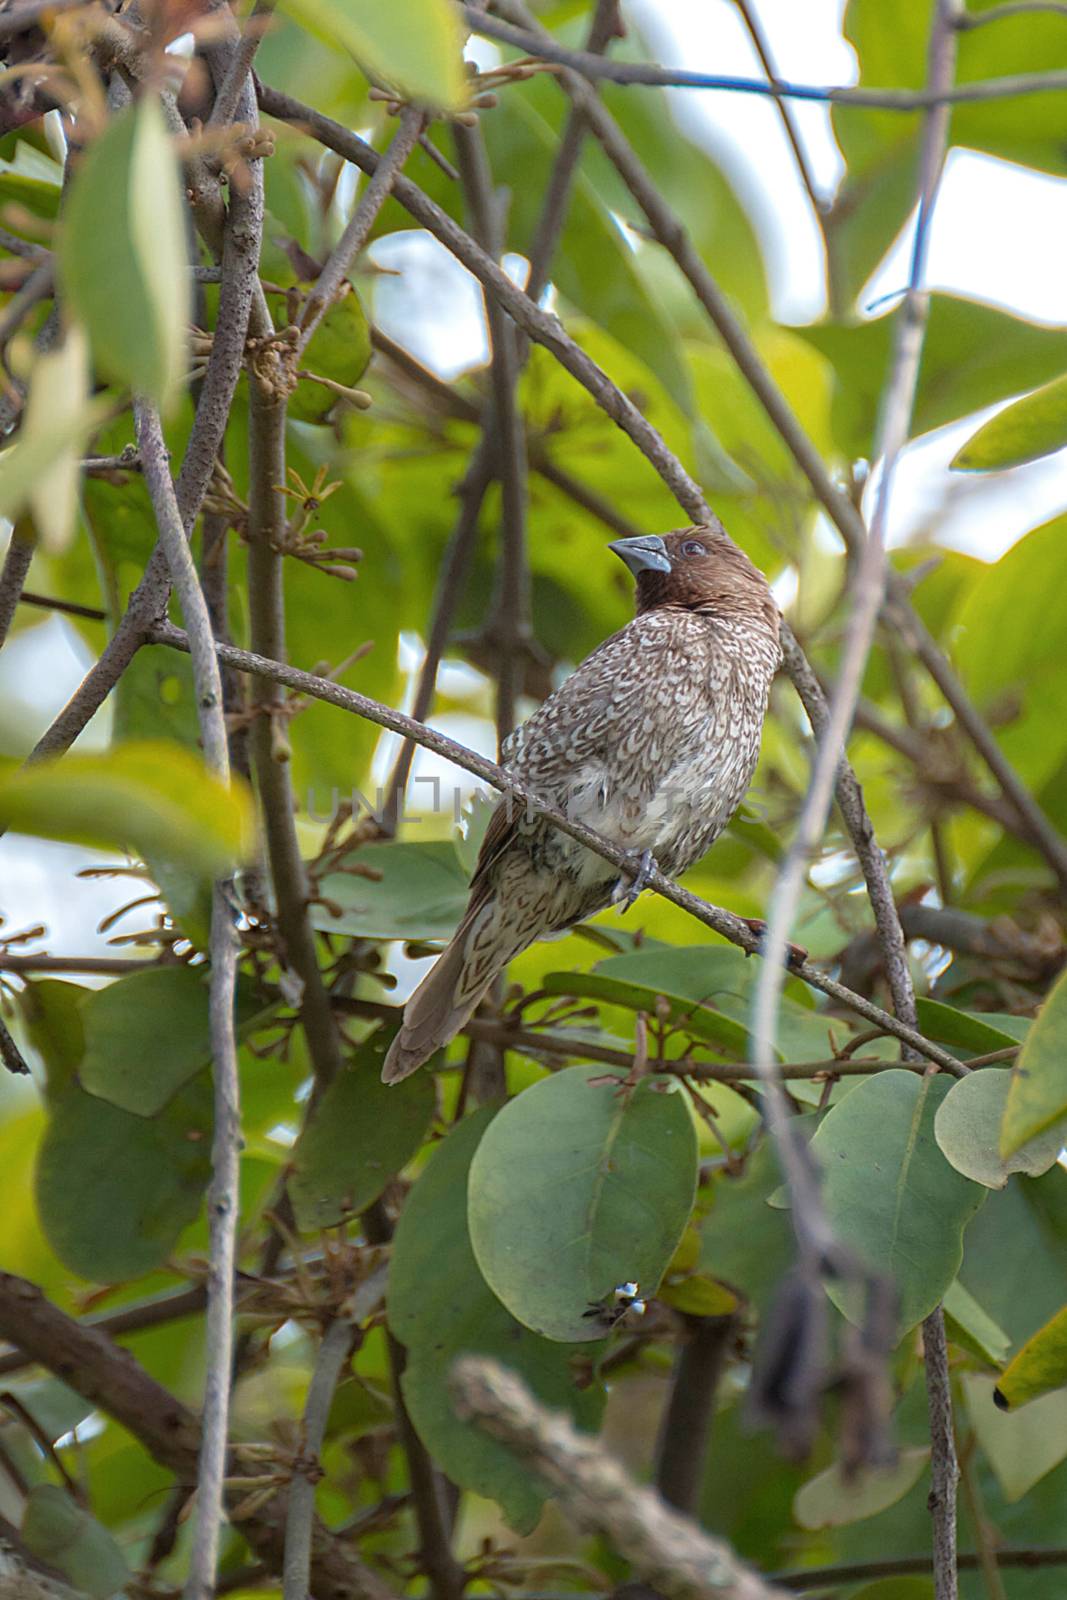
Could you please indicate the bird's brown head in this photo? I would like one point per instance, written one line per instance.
(697, 569)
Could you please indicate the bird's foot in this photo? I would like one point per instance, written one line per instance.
(630, 884)
(795, 954)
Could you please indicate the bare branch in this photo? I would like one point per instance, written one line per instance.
(232, 87)
(333, 1354)
(17, 560)
(359, 226)
(943, 1467)
(292, 891)
(894, 1566)
(508, 630)
(636, 72)
(223, 1199)
(670, 1553)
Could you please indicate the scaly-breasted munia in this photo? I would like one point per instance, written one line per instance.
(652, 741)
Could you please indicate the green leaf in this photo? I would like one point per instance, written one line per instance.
(440, 1307)
(1015, 1253)
(148, 1034)
(1037, 1097)
(884, 1180)
(1021, 1446)
(1020, 602)
(975, 1034)
(1040, 1366)
(577, 1186)
(360, 1134)
(974, 356)
(52, 1010)
(730, 1038)
(64, 1535)
(1034, 426)
(745, 1241)
(419, 891)
(42, 470)
(973, 1328)
(340, 350)
(709, 988)
(115, 1190)
(834, 1498)
(146, 796)
(129, 281)
(416, 48)
(967, 1128)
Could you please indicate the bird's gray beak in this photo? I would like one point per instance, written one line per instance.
(647, 554)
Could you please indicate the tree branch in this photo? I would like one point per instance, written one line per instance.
(636, 72)
(670, 1553)
(894, 1566)
(300, 1515)
(508, 631)
(269, 751)
(359, 226)
(17, 560)
(223, 1197)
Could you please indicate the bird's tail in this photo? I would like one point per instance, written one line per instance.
(454, 985)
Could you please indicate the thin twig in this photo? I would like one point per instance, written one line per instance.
(720, 921)
(761, 45)
(17, 560)
(814, 1578)
(667, 1551)
(944, 1471)
(233, 84)
(269, 753)
(38, 286)
(508, 630)
(359, 225)
(223, 1198)
(300, 1514)
(872, 99)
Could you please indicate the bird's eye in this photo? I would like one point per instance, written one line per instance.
(693, 547)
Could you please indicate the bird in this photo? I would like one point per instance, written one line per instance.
(652, 741)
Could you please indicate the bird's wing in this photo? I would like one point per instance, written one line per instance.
(629, 706)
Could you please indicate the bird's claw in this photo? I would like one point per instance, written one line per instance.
(630, 885)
